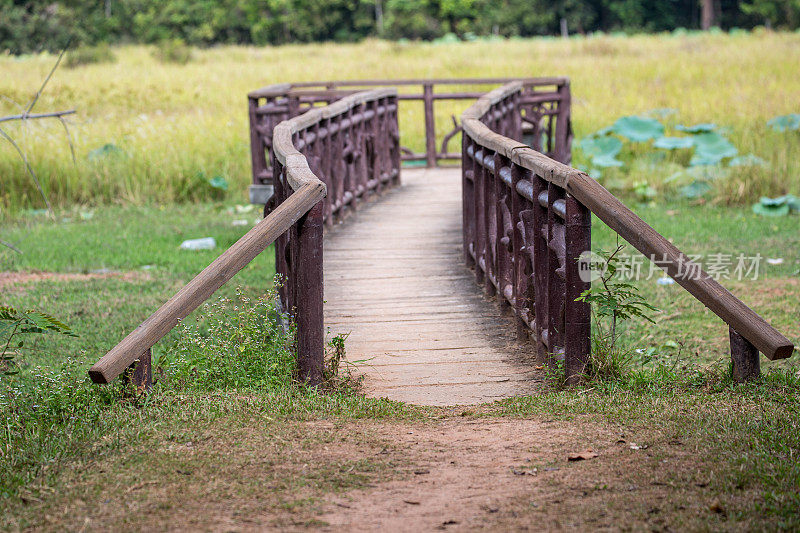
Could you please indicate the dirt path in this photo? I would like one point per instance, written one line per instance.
(505, 475)
(459, 473)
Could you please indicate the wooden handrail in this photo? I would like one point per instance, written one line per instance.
(302, 206)
(628, 225)
(197, 291)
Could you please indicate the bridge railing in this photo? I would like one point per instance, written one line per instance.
(352, 147)
(527, 222)
(353, 151)
(544, 109)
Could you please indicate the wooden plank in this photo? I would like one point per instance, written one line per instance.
(413, 310)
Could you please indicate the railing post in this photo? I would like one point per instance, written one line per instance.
(540, 269)
(563, 141)
(258, 155)
(140, 373)
(309, 294)
(555, 283)
(430, 129)
(520, 255)
(745, 358)
(467, 199)
(577, 315)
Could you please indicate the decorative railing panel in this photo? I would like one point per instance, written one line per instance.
(544, 108)
(527, 222)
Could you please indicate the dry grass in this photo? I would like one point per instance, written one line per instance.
(179, 125)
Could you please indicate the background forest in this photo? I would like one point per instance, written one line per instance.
(35, 25)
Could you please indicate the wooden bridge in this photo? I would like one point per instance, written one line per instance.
(391, 260)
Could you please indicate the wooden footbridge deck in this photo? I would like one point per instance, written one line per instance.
(396, 284)
(397, 268)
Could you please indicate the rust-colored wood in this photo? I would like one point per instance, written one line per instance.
(309, 288)
(577, 315)
(274, 103)
(476, 122)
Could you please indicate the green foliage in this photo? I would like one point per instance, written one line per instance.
(711, 148)
(777, 207)
(602, 150)
(612, 299)
(697, 128)
(638, 129)
(35, 25)
(789, 122)
(696, 189)
(14, 323)
(173, 51)
(43, 416)
(674, 143)
(87, 55)
(239, 343)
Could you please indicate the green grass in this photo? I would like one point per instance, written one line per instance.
(178, 126)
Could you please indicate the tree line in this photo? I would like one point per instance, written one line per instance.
(35, 25)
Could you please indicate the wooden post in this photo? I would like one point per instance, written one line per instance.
(430, 129)
(502, 262)
(258, 155)
(745, 358)
(577, 315)
(555, 284)
(467, 201)
(310, 326)
(563, 140)
(540, 268)
(520, 255)
(140, 373)
(479, 176)
(488, 202)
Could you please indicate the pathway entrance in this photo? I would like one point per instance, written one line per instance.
(395, 280)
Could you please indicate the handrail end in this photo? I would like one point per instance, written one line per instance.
(97, 376)
(783, 351)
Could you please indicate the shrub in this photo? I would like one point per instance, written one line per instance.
(173, 51)
(87, 55)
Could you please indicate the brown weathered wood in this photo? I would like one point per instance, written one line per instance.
(430, 127)
(411, 308)
(703, 287)
(745, 358)
(310, 325)
(140, 373)
(206, 283)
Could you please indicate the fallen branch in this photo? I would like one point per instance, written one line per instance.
(26, 116)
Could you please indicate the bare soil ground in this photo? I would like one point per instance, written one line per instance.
(457, 473)
(11, 280)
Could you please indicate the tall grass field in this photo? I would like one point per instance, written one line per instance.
(152, 131)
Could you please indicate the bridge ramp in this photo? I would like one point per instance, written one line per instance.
(396, 283)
